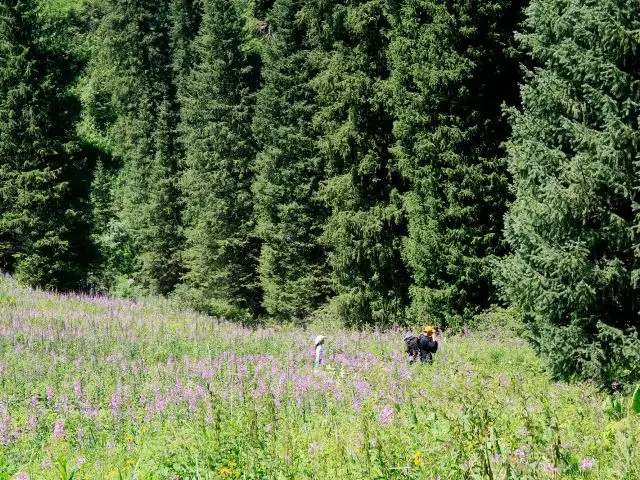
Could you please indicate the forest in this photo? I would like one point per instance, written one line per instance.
(385, 162)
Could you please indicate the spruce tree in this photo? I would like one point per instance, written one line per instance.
(162, 237)
(574, 160)
(453, 65)
(222, 251)
(363, 232)
(132, 91)
(43, 195)
(185, 16)
(290, 216)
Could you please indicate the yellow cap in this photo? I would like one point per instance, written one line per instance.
(428, 329)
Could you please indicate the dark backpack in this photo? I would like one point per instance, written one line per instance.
(412, 344)
(428, 344)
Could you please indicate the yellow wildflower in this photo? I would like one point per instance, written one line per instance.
(226, 471)
(417, 458)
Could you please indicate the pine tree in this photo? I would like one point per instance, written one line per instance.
(574, 159)
(222, 250)
(131, 72)
(43, 195)
(293, 270)
(363, 186)
(453, 65)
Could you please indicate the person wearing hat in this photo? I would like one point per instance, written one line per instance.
(427, 344)
(319, 345)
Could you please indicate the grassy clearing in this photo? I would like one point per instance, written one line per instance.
(93, 388)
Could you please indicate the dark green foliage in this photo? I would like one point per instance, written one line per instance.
(161, 258)
(574, 159)
(290, 216)
(116, 253)
(131, 90)
(453, 65)
(363, 187)
(222, 251)
(185, 19)
(635, 403)
(43, 188)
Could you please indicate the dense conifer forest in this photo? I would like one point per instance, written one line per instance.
(385, 162)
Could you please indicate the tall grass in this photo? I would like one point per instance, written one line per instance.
(97, 388)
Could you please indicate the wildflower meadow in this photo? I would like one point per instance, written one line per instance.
(99, 388)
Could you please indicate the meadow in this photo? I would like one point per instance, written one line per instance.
(98, 388)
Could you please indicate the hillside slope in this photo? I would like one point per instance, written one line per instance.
(141, 390)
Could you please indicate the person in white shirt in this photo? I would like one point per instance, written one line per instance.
(319, 344)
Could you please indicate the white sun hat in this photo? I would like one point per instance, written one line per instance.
(319, 340)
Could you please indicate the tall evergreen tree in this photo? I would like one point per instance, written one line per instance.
(185, 17)
(363, 186)
(217, 105)
(453, 65)
(290, 216)
(132, 65)
(43, 198)
(574, 158)
(162, 236)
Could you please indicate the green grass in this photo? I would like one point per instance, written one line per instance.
(93, 388)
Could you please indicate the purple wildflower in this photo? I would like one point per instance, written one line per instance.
(116, 401)
(387, 415)
(521, 454)
(587, 464)
(77, 388)
(58, 430)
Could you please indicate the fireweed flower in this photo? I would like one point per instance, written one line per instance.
(586, 464)
(521, 455)
(116, 402)
(387, 415)
(58, 430)
(77, 388)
